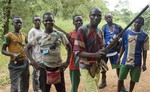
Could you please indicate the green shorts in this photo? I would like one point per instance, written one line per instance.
(135, 73)
(114, 66)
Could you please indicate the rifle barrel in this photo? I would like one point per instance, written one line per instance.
(113, 43)
(59, 29)
(146, 7)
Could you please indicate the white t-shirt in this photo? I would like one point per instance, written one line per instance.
(36, 49)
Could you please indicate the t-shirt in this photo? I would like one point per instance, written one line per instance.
(134, 43)
(72, 66)
(89, 40)
(50, 47)
(109, 34)
(16, 43)
(36, 49)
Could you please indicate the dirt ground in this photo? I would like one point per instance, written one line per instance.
(142, 86)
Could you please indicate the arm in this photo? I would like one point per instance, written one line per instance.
(144, 60)
(4, 48)
(69, 51)
(66, 43)
(145, 48)
(85, 54)
(28, 49)
(5, 52)
(120, 55)
(64, 65)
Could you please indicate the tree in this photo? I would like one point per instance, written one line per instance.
(6, 15)
(146, 16)
(26, 9)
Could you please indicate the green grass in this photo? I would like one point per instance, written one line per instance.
(4, 73)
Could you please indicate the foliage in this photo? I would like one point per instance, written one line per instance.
(146, 16)
(64, 9)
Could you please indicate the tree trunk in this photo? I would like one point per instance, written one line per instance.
(6, 13)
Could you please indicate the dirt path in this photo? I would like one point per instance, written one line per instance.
(142, 86)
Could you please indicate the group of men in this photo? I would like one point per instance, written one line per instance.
(85, 47)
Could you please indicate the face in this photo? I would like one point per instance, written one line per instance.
(108, 18)
(138, 24)
(48, 21)
(78, 21)
(95, 16)
(37, 22)
(17, 22)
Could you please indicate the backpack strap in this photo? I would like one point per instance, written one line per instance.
(86, 31)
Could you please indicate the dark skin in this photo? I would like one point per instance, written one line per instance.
(137, 28)
(77, 22)
(37, 22)
(48, 22)
(17, 23)
(95, 17)
(108, 19)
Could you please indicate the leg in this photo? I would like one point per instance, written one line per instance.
(35, 80)
(132, 84)
(75, 80)
(135, 76)
(117, 71)
(103, 80)
(42, 80)
(89, 82)
(61, 86)
(122, 75)
(24, 78)
(14, 77)
(19, 75)
(120, 84)
(123, 87)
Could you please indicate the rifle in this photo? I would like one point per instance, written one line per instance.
(59, 29)
(116, 39)
(93, 69)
